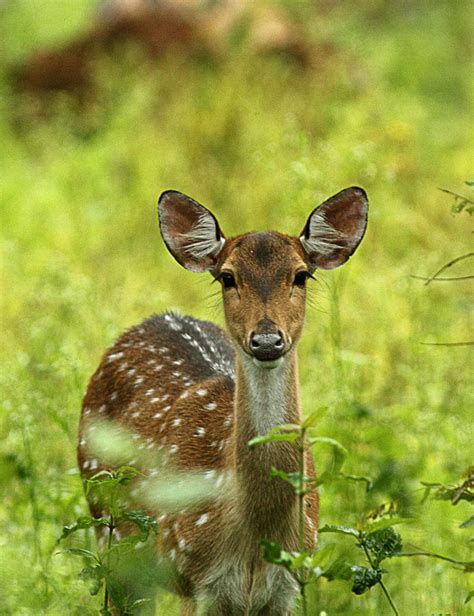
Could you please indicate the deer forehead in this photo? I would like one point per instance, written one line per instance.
(265, 257)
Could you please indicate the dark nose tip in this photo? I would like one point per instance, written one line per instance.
(267, 347)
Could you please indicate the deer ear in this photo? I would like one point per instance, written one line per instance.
(334, 229)
(190, 231)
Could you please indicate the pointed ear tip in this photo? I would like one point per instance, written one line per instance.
(359, 191)
(166, 194)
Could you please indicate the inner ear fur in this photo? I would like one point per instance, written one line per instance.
(335, 228)
(190, 231)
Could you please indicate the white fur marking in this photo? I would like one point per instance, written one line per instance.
(202, 238)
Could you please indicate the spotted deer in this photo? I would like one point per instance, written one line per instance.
(200, 395)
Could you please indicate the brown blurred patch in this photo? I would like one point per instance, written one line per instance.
(189, 26)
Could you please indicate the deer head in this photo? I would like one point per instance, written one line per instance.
(263, 275)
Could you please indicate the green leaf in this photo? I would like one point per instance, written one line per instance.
(315, 417)
(80, 552)
(83, 522)
(383, 544)
(339, 454)
(285, 433)
(94, 577)
(467, 523)
(273, 553)
(469, 596)
(145, 522)
(138, 603)
(321, 558)
(386, 523)
(339, 569)
(344, 530)
(364, 579)
(292, 478)
(367, 480)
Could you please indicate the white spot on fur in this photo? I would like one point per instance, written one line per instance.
(211, 406)
(200, 431)
(173, 448)
(202, 519)
(201, 392)
(114, 356)
(176, 422)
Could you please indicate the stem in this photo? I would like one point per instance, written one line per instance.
(301, 488)
(389, 598)
(432, 555)
(456, 195)
(449, 264)
(38, 555)
(109, 547)
(469, 343)
(301, 494)
(382, 585)
(443, 279)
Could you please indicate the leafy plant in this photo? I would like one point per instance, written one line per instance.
(99, 571)
(378, 539)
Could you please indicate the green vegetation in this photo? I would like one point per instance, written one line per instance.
(260, 141)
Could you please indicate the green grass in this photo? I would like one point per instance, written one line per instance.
(260, 142)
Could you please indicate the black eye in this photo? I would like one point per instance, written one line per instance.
(228, 281)
(300, 279)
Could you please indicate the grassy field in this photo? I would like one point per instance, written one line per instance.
(261, 142)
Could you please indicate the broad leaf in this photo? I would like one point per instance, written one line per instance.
(83, 522)
(343, 530)
(315, 417)
(386, 523)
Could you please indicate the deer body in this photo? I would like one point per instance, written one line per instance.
(188, 390)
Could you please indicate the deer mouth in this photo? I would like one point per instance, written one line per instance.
(268, 364)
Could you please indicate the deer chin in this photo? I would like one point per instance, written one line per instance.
(268, 364)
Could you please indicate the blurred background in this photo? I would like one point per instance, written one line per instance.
(259, 110)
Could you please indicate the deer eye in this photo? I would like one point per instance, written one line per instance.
(300, 279)
(228, 280)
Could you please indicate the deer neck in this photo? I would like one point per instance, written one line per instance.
(265, 398)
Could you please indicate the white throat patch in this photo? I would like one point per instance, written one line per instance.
(268, 391)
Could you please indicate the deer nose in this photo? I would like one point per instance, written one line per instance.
(267, 347)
